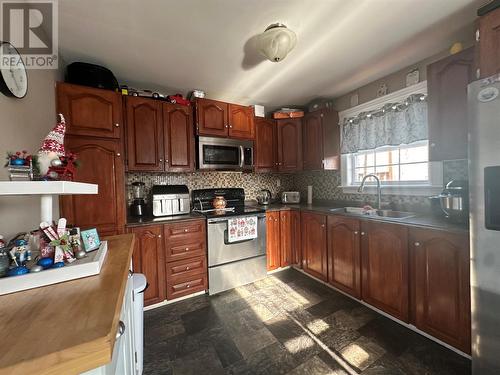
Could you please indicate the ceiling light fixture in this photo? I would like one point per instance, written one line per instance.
(276, 42)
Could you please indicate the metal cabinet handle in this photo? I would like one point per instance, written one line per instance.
(161, 160)
(227, 126)
(187, 268)
(186, 249)
(185, 230)
(362, 233)
(230, 126)
(322, 225)
(118, 154)
(121, 330)
(188, 286)
(117, 125)
(159, 236)
(417, 243)
(355, 232)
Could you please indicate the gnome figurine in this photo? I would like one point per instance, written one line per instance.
(52, 146)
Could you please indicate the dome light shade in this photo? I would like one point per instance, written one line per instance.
(276, 42)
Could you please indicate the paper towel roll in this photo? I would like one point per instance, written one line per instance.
(309, 194)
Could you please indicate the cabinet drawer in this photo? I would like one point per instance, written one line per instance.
(187, 267)
(185, 285)
(185, 249)
(185, 231)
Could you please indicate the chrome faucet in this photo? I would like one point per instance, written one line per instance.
(379, 190)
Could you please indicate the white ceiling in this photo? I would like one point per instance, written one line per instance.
(208, 44)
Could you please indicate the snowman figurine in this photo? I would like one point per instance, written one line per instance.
(52, 147)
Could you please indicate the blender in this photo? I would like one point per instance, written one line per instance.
(138, 206)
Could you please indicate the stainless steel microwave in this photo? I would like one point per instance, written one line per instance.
(224, 154)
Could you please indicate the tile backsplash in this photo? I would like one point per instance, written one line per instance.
(251, 182)
(326, 184)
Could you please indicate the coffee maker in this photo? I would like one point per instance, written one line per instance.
(138, 206)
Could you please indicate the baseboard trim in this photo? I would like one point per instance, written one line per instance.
(409, 326)
(168, 302)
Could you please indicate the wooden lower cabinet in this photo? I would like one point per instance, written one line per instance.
(344, 254)
(148, 259)
(440, 285)
(282, 238)
(173, 257)
(273, 247)
(314, 250)
(384, 265)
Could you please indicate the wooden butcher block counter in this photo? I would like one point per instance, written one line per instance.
(66, 328)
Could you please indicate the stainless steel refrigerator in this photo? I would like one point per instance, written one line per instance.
(484, 180)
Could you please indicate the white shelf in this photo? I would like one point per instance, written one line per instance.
(46, 188)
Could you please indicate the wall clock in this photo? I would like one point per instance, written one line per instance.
(13, 76)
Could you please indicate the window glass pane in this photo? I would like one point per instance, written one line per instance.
(359, 173)
(364, 159)
(387, 173)
(415, 153)
(415, 172)
(385, 156)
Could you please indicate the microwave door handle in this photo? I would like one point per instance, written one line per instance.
(242, 156)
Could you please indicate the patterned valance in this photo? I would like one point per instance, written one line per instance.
(392, 125)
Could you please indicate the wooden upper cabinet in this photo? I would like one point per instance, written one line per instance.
(101, 164)
(344, 254)
(489, 44)
(89, 111)
(148, 259)
(212, 117)
(314, 251)
(273, 248)
(286, 237)
(441, 287)
(447, 81)
(241, 124)
(179, 138)
(384, 264)
(312, 138)
(289, 145)
(145, 150)
(265, 145)
(296, 239)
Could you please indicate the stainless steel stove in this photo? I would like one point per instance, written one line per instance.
(231, 263)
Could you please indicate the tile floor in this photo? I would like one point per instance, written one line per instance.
(286, 323)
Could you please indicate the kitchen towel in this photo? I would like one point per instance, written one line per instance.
(241, 228)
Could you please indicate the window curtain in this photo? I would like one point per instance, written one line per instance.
(393, 125)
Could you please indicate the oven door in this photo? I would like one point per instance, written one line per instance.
(224, 154)
(221, 252)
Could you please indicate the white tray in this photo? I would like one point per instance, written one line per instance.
(88, 266)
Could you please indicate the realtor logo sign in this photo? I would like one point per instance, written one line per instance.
(31, 27)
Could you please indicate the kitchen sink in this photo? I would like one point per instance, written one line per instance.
(389, 214)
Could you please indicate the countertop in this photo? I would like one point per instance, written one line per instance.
(150, 220)
(70, 327)
(419, 220)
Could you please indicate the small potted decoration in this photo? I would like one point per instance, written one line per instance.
(21, 165)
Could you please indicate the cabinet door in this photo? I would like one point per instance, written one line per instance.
(447, 82)
(144, 134)
(489, 44)
(331, 140)
(273, 246)
(289, 145)
(312, 137)
(212, 117)
(344, 254)
(441, 287)
(101, 164)
(314, 244)
(148, 258)
(241, 123)
(286, 238)
(265, 145)
(89, 111)
(179, 138)
(296, 238)
(384, 263)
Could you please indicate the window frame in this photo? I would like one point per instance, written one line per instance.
(433, 185)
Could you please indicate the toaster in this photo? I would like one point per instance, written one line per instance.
(290, 197)
(170, 200)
